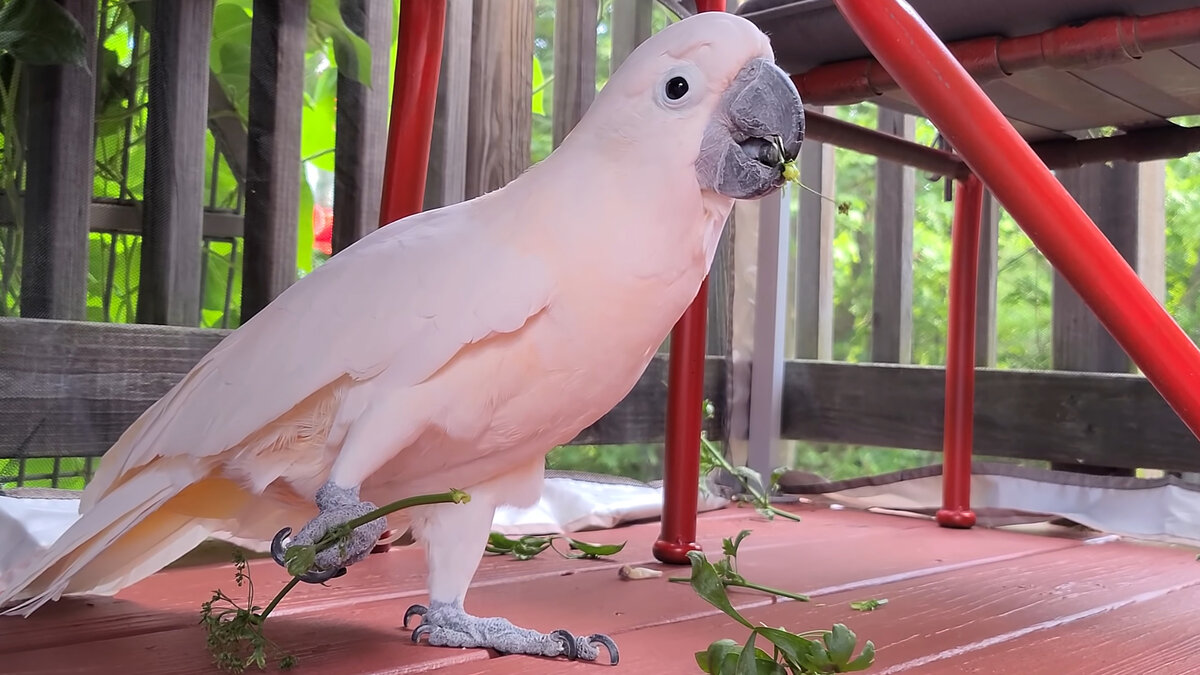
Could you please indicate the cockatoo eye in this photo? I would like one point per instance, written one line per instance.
(676, 88)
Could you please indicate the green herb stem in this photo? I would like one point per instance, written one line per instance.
(278, 596)
(766, 589)
(454, 496)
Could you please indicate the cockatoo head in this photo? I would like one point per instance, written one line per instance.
(705, 91)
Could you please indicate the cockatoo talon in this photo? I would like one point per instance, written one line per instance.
(423, 629)
(415, 610)
(311, 577)
(614, 654)
(568, 643)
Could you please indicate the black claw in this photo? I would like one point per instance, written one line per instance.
(421, 630)
(277, 552)
(415, 610)
(570, 649)
(613, 654)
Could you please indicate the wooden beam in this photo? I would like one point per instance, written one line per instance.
(574, 63)
(1152, 227)
(985, 289)
(70, 388)
(631, 25)
(61, 118)
(764, 451)
(498, 134)
(814, 253)
(446, 178)
(127, 219)
(362, 121)
(1113, 420)
(895, 185)
(278, 35)
(173, 204)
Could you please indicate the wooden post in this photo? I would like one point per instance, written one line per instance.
(770, 303)
(814, 253)
(1109, 193)
(278, 35)
(574, 63)
(985, 289)
(891, 323)
(446, 177)
(58, 190)
(498, 133)
(631, 26)
(173, 204)
(362, 119)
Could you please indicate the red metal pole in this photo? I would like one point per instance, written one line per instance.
(1055, 223)
(414, 95)
(685, 399)
(960, 357)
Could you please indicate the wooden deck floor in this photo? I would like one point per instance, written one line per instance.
(979, 601)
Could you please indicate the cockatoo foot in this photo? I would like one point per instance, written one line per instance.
(338, 506)
(448, 625)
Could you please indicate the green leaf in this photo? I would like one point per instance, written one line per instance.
(747, 663)
(299, 559)
(351, 53)
(864, 660)
(41, 33)
(304, 229)
(797, 649)
(730, 546)
(589, 550)
(840, 644)
(707, 584)
(539, 83)
(868, 605)
(710, 661)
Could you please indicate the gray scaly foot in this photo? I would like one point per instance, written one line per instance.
(338, 506)
(448, 625)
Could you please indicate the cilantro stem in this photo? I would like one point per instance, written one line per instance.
(766, 589)
(332, 536)
(278, 596)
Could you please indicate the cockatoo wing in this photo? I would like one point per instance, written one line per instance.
(406, 298)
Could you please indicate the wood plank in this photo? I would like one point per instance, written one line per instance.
(126, 218)
(1163, 644)
(446, 177)
(70, 388)
(498, 134)
(631, 25)
(1152, 226)
(1073, 418)
(362, 123)
(173, 204)
(58, 187)
(365, 612)
(895, 186)
(574, 63)
(985, 287)
(765, 452)
(925, 616)
(278, 35)
(814, 253)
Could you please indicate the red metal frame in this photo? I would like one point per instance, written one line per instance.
(925, 68)
(414, 98)
(960, 356)
(1103, 41)
(685, 399)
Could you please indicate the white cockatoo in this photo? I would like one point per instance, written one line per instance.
(456, 348)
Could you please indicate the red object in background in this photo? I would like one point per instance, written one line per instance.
(1056, 224)
(414, 95)
(322, 226)
(685, 398)
(960, 356)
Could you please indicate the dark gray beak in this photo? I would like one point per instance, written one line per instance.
(758, 126)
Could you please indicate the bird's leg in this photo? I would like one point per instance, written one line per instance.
(338, 506)
(454, 537)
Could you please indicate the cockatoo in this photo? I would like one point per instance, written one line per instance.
(457, 347)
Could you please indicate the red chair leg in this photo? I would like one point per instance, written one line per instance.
(414, 98)
(685, 399)
(960, 357)
(1056, 224)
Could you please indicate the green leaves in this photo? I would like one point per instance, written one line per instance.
(709, 585)
(352, 54)
(868, 605)
(41, 33)
(528, 546)
(751, 480)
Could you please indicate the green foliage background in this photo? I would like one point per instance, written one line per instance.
(1025, 279)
